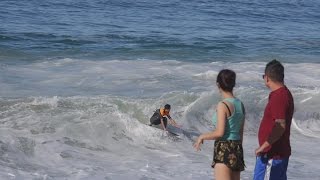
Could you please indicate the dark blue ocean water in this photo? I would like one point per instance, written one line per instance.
(184, 30)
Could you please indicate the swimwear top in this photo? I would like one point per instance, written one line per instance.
(164, 113)
(234, 121)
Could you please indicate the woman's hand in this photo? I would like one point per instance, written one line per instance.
(198, 143)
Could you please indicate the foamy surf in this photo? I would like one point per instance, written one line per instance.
(63, 126)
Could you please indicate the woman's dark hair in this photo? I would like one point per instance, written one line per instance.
(167, 106)
(226, 79)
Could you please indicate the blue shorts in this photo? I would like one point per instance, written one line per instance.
(270, 169)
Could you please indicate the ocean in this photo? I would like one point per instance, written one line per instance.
(80, 79)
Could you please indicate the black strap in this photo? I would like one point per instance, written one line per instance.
(243, 109)
(227, 107)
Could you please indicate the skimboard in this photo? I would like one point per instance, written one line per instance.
(171, 129)
(179, 132)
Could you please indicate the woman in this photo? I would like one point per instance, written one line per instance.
(229, 122)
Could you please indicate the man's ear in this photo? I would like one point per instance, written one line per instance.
(268, 79)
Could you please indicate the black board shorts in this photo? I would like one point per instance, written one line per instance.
(156, 119)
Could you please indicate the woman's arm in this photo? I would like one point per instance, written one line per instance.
(219, 131)
(221, 123)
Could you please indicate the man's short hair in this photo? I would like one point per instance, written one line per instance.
(167, 106)
(275, 71)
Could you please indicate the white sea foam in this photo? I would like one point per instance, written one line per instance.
(86, 119)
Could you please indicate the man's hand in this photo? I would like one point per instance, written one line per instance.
(162, 124)
(258, 151)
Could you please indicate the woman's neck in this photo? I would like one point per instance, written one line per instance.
(227, 94)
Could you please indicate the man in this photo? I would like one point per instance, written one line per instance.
(159, 117)
(274, 132)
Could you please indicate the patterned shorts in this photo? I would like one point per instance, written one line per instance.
(230, 153)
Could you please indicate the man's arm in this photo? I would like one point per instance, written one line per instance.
(276, 133)
(172, 122)
(162, 124)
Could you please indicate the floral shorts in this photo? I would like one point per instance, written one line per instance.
(230, 153)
